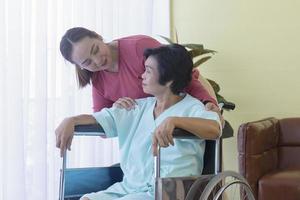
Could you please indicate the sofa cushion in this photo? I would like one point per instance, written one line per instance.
(280, 185)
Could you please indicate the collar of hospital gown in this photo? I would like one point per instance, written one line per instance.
(135, 128)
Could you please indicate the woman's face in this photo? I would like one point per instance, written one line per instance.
(92, 54)
(150, 78)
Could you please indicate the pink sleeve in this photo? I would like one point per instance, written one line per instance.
(197, 90)
(99, 101)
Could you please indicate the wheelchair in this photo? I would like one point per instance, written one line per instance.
(212, 184)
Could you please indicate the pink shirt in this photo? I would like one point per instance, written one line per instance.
(108, 87)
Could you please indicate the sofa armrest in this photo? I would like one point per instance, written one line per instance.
(257, 149)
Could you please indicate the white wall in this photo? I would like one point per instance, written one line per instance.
(258, 60)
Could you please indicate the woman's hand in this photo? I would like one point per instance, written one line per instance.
(64, 135)
(163, 134)
(212, 107)
(125, 102)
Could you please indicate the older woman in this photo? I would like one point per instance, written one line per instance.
(140, 130)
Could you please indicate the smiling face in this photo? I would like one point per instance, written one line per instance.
(92, 54)
(150, 77)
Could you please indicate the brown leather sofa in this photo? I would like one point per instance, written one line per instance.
(269, 157)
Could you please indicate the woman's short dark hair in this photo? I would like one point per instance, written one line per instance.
(72, 36)
(174, 64)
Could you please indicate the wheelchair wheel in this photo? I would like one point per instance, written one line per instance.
(227, 185)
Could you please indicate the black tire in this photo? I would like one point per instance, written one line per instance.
(217, 186)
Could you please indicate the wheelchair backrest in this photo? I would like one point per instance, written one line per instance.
(209, 157)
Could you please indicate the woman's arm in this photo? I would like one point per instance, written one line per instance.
(65, 131)
(202, 128)
(207, 86)
(201, 89)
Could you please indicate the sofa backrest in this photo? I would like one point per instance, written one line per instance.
(289, 143)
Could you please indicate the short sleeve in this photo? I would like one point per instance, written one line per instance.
(197, 90)
(106, 118)
(116, 121)
(200, 112)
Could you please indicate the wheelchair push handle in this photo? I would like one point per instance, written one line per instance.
(226, 106)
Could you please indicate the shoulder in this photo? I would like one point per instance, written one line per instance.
(193, 102)
(196, 108)
(145, 102)
(136, 39)
(146, 42)
(142, 103)
(138, 43)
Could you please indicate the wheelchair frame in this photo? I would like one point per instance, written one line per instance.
(182, 134)
(213, 177)
(97, 130)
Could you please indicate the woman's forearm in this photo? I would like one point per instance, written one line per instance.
(84, 119)
(65, 131)
(203, 128)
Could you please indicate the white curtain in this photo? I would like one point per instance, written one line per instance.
(38, 88)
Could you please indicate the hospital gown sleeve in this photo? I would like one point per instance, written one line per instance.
(111, 119)
(200, 112)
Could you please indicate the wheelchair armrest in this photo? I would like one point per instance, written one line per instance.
(97, 130)
(183, 134)
(89, 130)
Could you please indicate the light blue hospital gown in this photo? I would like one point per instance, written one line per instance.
(134, 129)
